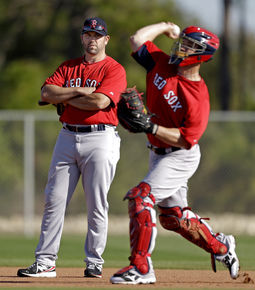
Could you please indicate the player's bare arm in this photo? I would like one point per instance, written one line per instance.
(94, 101)
(54, 94)
(171, 136)
(150, 32)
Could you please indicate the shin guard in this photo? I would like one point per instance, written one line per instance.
(191, 227)
(142, 226)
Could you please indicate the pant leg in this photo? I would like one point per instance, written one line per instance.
(62, 180)
(179, 198)
(97, 175)
(169, 174)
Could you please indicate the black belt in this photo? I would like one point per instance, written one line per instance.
(85, 129)
(163, 151)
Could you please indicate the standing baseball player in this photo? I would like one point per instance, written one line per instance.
(178, 99)
(87, 146)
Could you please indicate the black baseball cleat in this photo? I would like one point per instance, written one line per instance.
(93, 270)
(38, 270)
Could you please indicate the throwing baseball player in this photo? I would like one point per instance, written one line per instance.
(87, 146)
(178, 102)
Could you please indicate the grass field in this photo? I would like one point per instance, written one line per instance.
(171, 252)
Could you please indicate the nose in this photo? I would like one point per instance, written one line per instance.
(93, 37)
(184, 48)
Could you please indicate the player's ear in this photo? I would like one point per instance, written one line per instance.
(107, 38)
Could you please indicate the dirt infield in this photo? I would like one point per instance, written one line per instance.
(73, 278)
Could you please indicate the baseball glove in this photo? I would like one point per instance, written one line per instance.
(132, 113)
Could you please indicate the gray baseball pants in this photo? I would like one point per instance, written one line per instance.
(94, 157)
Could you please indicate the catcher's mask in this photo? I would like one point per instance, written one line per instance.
(195, 45)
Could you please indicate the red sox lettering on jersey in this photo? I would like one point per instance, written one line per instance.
(77, 83)
(73, 83)
(172, 99)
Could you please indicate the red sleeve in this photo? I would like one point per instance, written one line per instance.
(114, 82)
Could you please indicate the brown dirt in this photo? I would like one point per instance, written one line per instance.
(73, 278)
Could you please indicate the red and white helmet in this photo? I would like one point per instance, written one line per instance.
(195, 45)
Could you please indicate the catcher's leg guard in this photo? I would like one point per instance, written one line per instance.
(142, 226)
(191, 227)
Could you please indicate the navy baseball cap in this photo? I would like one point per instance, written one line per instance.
(95, 24)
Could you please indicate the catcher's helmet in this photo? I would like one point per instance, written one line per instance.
(195, 45)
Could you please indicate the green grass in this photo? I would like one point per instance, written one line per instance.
(172, 252)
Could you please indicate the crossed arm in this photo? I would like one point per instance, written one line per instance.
(80, 97)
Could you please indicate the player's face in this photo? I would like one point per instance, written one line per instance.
(188, 46)
(93, 42)
(185, 47)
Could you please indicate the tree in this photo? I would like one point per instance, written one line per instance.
(225, 75)
(242, 47)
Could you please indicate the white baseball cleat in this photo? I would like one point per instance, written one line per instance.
(130, 275)
(230, 259)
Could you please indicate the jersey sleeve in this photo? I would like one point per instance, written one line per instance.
(113, 83)
(146, 55)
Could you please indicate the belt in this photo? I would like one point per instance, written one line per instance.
(85, 129)
(163, 151)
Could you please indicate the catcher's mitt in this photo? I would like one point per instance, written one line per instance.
(132, 113)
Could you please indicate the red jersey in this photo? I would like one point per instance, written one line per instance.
(176, 101)
(107, 75)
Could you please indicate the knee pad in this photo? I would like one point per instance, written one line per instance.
(192, 227)
(142, 226)
(170, 217)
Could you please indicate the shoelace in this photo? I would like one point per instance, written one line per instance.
(93, 266)
(30, 267)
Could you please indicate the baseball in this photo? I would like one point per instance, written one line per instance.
(176, 30)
